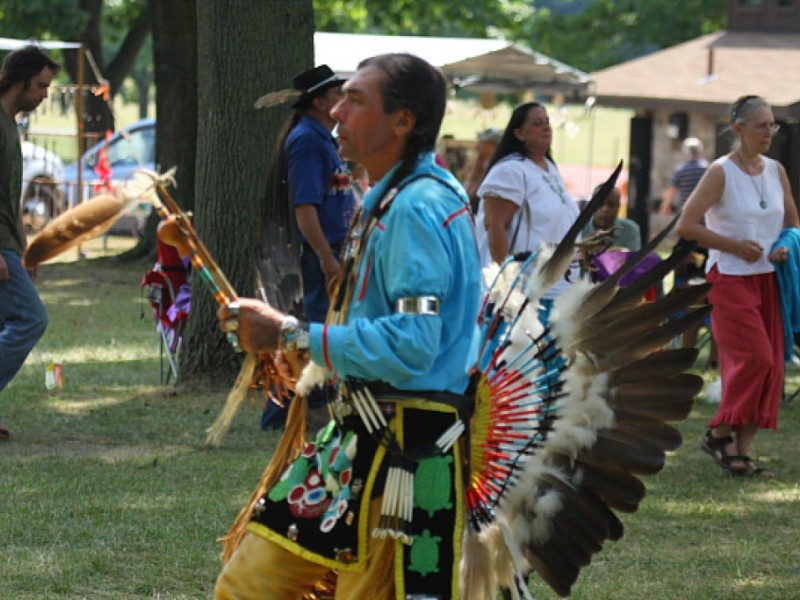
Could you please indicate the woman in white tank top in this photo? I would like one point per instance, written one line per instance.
(746, 201)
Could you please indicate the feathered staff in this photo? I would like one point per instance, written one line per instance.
(95, 216)
(177, 229)
(567, 418)
(73, 227)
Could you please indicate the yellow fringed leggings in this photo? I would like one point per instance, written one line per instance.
(262, 570)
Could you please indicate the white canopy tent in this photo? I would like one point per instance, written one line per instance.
(479, 64)
(12, 44)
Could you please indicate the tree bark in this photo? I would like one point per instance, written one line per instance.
(143, 84)
(97, 114)
(175, 73)
(245, 49)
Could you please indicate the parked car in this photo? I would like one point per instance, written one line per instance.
(128, 150)
(42, 171)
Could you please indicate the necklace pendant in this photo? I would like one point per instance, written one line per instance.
(763, 204)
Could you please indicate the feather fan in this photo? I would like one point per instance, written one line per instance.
(276, 98)
(569, 418)
(73, 227)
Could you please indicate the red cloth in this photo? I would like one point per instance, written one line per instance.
(103, 168)
(165, 281)
(748, 328)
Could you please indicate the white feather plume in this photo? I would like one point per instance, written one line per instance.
(312, 376)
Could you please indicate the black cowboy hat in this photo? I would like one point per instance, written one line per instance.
(314, 82)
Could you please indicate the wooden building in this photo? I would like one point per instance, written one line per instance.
(687, 90)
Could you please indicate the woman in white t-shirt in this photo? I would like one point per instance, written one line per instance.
(524, 201)
(746, 200)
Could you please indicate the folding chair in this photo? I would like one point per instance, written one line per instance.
(169, 294)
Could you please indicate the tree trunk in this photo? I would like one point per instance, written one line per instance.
(175, 72)
(143, 89)
(97, 116)
(245, 49)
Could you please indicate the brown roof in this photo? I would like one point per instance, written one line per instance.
(708, 73)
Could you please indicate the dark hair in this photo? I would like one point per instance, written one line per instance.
(510, 143)
(278, 207)
(413, 84)
(23, 65)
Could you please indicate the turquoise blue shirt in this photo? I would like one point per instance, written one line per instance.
(423, 246)
(788, 274)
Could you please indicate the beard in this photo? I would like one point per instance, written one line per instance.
(27, 105)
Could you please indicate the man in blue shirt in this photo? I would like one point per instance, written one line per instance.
(685, 177)
(319, 185)
(397, 339)
(310, 187)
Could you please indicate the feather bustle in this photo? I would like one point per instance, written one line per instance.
(622, 491)
(653, 340)
(652, 406)
(656, 274)
(623, 456)
(564, 252)
(619, 390)
(673, 302)
(666, 363)
(613, 328)
(663, 435)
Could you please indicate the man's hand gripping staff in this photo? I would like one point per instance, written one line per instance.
(263, 368)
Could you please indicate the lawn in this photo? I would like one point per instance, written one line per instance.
(108, 491)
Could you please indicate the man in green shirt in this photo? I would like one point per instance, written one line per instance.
(24, 80)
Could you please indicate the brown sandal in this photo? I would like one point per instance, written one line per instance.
(716, 448)
(753, 470)
(5, 433)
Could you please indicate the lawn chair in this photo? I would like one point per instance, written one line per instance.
(169, 293)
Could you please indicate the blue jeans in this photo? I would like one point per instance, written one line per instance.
(23, 318)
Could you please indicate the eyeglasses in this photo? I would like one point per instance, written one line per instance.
(772, 128)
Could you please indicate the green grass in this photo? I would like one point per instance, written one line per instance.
(108, 492)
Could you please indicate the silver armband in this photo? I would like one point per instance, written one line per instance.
(417, 305)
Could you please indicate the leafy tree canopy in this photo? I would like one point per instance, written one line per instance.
(465, 18)
(67, 20)
(608, 32)
(587, 34)
(42, 19)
